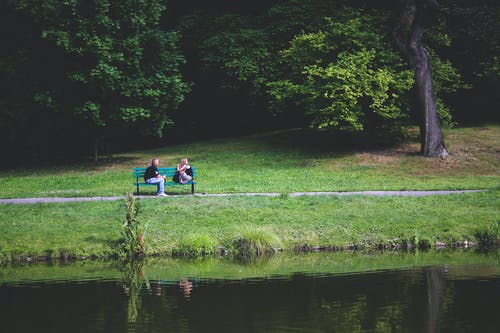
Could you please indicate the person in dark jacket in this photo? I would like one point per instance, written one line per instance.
(152, 176)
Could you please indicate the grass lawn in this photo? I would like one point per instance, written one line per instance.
(283, 162)
(205, 225)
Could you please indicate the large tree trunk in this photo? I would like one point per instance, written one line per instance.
(408, 34)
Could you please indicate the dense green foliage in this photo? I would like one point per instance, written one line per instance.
(125, 68)
(334, 65)
(117, 68)
(76, 73)
(473, 32)
(345, 74)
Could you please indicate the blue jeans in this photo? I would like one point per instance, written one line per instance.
(160, 183)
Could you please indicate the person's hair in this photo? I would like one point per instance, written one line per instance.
(153, 160)
(184, 160)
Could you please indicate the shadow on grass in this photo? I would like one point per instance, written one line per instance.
(342, 142)
(152, 194)
(74, 163)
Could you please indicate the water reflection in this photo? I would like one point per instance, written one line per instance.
(133, 280)
(186, 287)
(345, 292)
(435, 280)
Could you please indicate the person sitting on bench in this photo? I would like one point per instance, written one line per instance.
(152, 176)
(184, 171)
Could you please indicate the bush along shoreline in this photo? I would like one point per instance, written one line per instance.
(250, 248)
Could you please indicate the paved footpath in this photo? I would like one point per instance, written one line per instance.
(293, 194)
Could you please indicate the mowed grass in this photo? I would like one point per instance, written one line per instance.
(207, 225)
(283, 161)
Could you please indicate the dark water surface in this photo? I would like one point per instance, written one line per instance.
(455, 291)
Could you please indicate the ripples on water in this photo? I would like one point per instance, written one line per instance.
(342, 292)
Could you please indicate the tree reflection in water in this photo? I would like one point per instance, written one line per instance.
(435, 278)
(132, 282)
(135, 281)
(420, 299)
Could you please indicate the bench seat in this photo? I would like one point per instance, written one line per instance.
(138, 174)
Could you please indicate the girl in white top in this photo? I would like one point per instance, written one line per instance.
(181, 169)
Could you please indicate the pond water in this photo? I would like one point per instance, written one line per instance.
(456, 291)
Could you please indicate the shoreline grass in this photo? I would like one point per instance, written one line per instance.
(198, 226)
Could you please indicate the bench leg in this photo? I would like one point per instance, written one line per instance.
(192, 188)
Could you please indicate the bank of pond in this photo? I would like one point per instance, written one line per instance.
(189, 226)
(346, 291)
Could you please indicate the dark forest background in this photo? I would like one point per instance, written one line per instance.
(80, 79)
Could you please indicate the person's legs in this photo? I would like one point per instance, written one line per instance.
(161, 186)
(184, 178)
(160, 182)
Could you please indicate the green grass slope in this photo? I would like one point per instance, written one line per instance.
(197, 226)
(283, 162)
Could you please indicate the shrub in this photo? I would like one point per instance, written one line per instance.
(489, 236)
(195, 245)
(252, 241)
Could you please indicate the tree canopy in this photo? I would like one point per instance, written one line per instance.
(118, 69)
(74, 72)
(325, 64)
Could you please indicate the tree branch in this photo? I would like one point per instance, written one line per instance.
(403, 26)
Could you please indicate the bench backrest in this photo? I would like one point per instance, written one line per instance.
(169, 172)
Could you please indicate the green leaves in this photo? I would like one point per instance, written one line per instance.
(125, 68)
(342, 71)
(335, 64)
(243, 53)
(91, 111)
(131, 114)
(132, 241)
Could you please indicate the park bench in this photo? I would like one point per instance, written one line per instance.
(138, 174)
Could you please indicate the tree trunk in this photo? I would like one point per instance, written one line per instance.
(96, 149)
(408, 34)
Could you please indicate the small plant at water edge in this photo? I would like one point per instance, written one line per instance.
(489, 236)
(132, 245)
